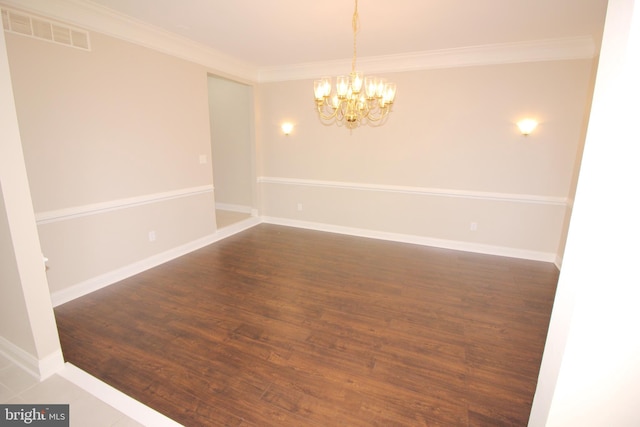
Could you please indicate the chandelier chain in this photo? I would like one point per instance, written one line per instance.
(355, 26)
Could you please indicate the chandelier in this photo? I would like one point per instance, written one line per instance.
(357, 99)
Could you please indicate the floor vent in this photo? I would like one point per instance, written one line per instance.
(44, 29)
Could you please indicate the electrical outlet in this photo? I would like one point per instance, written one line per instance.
(203, 159)
(299, 206)
(152, 236)
(473, 226)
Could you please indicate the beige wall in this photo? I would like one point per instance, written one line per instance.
(117, 122)
(112, 141)
(589, 374)
(232, 130)
(450, 154)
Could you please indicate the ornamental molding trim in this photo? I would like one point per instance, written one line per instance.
(103, 20)
(506, 53)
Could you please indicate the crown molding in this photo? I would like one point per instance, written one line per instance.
(98, 18)
(504, 53)
(94, 17)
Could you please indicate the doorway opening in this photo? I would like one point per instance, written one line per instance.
(231, 119)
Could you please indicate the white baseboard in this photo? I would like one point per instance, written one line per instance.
(38, 368)
(417, 240)
(558, 262)
(99, 282)
(91, 285)
(123, 403)
(51, 364)
(232, 229)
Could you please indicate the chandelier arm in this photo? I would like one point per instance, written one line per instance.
(377, 123)
(325, 115)
(377, 118)
(378, 114)
(340, 111)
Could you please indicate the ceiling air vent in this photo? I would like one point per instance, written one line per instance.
(44, 29)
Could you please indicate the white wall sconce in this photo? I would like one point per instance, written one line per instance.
(287, 128)
(527, 126)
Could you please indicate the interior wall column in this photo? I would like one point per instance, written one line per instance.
(31, 337)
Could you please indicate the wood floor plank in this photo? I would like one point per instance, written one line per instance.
(277, 326)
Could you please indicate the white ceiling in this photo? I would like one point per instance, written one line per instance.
(273, 33)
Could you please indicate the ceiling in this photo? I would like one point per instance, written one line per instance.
(273, 33)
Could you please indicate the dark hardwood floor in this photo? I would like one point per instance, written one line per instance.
(279, 326)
